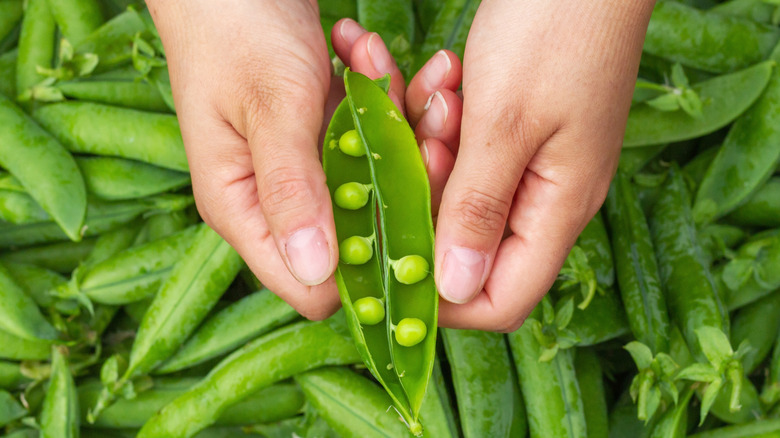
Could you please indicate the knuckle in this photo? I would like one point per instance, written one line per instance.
(313, 312)
(508, 323)
(285, 191)
(481, 213)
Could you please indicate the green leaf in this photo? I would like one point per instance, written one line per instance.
(679, 79)
(691, 103)
(652, 404)
(714, 344)
(564, 313)
(667, 102)
(708, 398)
(111, 370)
(737, 272)
(548, 313)
(698, 372)
(10, 408)
(548, 353)
(641, 353)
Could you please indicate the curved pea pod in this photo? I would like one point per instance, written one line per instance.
(708, 41)
(195, 284)
(591, 383)
(350, 404)
(394, 21)
(761, 210)
(8, 73)
(604, 319)
(113, 41)
(19, 315)
(757, 429)
(54, 181)
(759, 11)
(60, 412)
(552, 395)
(691, 292)
(753, 273)
(276, 356)
(724, 98)
(757, 323)
(448, 30)
(62, 257)
(76, 18)
(482, 377)
(20, 208)
(11, 376)
(129, 93)
(674, 422)
(746, 160)
(231, 327)
(92, 128)
(637, 269)
(133, 274)
(112, 178)
(36, 45)
(274, 403)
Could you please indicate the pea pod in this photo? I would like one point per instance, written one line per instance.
(281, 354)
(113, 242)
(273, 403)
(20, 208)
(351, 404)
(128, 93)
(448, 30)
(231, 327)
(591, 383)
(437, 409)
(62, 257)
(770, 393)
(60, 413)
(755, 429)
(54, 182)
(11, 375)
(674, 422)
(724, 97)
(112, 178)
(553, 398)
(634, 159)
(708, 41)
(19, 315)
(746, 160)
(17, 348)
(8, 73)
(603, 320)
(92, 128)
(753, 273)
(759, 11)
(761, 210)
(36, 45)
(758, 324)
(11, 12)
(403, 291)
(113, 41)
(36, 282)
(637, 269)
(484, 388)
(691, 293)
(76, 18)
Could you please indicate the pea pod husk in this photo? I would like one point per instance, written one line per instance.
(112, 178)
(276, 356)
(60, 412)
(36, 44)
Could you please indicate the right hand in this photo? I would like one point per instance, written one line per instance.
(251, 82)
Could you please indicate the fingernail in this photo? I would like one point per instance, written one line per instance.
(436, 70)
(436, 113)
(424, 153)
(309, 256)
(379, 55)
(350, 30)
(461, 274)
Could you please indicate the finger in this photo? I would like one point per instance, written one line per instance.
(441, 119)
(343, 36)
(370, 57)
(442, 71)
(438, 161)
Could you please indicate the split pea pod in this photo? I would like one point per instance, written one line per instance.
(92, 128)
(746, 160)
(231, 327)
(36, 45)
(76, 18)
(60, 412)
(691, 292)
(384, 277)
(351, 404)
(274, 403)
(724, 98)
(484, 388)
(276, 356)
(54, 181)
(761, 210)
(113, 178)
(553, 399)
(19, 314)
(637, 269)
(707, 41)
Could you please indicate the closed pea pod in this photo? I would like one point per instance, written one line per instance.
(62, 257)
(603, 320)
(10, 14)
(19, 314)
(278, 355)
(17, 348)
(759, 11)
(591, 383)
(19, 208)
(758, 324)
(753, 273)
(112, 178)
(761, 210)
(76, 18)
(765, 428)
(8, 73)
(36, 44)
(11, 375)
(129, 93)
(770, 393)
(113, 41)
(60, 413)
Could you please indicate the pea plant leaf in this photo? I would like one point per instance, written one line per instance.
(577, 273)
(654, 385)
(551, 332)
(675, 95)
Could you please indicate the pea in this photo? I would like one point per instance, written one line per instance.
(356, 250)
(410, 332)
(351, 144)
(369, 310)
(410, 269)
(351, 195)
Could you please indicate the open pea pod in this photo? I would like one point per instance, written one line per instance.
(390, 297)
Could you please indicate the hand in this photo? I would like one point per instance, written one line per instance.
(251, 83)
(547, 87)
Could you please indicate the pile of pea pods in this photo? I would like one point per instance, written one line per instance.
(122, 314)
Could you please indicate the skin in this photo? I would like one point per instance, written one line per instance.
(516, 172)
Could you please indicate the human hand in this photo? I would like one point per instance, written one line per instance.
(252, 82)
(547, 87)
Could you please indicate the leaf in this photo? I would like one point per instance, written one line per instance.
(652, 403)
(708, 398)
(548, 353)
(714, 344)
(737, 272)
(698, 372)
(691, 103)
(564, 313)
(679, 80)
(667, 102)
(548, 313)
(641, 353)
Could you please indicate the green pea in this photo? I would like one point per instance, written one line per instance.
(351, 144)
(356, 250)
(410, 332)
(410, 269)
(351, 195)
(369, 310)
